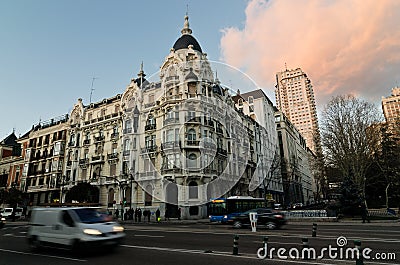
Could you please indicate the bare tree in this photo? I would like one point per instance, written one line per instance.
(347, 145)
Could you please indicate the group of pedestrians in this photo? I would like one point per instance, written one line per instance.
(137, 214)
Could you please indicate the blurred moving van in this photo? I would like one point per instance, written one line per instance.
(73, 227)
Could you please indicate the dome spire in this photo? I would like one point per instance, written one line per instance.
(141, 72)
(186, 29)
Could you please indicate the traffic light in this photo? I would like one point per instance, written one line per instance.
(124, 200)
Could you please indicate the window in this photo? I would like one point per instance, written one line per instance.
(240, 102)
(113, 168)
(150, 141)
(193, 190)
(192, 161)
(170, 136)
(251, 100)
(191, 136)
(148, 198)
(151, 98)
(151, 120)
(126, 145)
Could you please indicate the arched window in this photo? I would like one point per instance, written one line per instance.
(151, 120)
(192, 161)
(110, 197)
(191, 135)
(193, 190)
(148, 198)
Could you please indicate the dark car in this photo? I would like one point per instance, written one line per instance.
(269, 218)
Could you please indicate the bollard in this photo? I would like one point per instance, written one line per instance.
(314, 230)
(359, 258)
(304, 243)
(235, 245)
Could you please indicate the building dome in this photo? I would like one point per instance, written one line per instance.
(184, 41)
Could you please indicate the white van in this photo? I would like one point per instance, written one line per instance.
(74, 227)
(7, 212)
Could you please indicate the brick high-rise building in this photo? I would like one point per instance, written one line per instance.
(295, 98)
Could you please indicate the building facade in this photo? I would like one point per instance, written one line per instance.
(93, 152)
(295, 98)
(43, 150)
(184, 142)
(259, 107)
(391, 107)
(295, 166)
(10, 162)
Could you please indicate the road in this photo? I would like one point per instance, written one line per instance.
(204, 243)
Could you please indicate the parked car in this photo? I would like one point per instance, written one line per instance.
(73, 227)
(8, 212)
(266, 217)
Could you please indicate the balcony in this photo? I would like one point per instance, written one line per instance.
(128, 130)
(69, 163)
(99, 138)
(174, 170)
(113, 156)
(171, 121)
(38, 188)
(150, 127)
(209, 145)
(171, 80)
(208, 171)
(114, 135)
(149, 149)
(192, 143)
(190, 119)
(149, 105)
(86, 142)
(71, 144)
(147, 174)
(222, 151)
(83, 162)
(219, 130)
(126, 152)
(170, 145)
(98, 159)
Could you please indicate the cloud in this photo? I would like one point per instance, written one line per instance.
(344, 46)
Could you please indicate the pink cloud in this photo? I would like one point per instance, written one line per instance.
(344, 46)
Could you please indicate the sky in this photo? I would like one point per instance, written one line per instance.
(50, 51)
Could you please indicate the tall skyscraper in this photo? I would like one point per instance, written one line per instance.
(391, 106)
(295, 98)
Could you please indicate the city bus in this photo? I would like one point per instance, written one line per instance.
(222, 209)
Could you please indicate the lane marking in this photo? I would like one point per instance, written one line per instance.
(249, 256)
(148, 236)
(224, 254)
(41, 255)
(382, 240)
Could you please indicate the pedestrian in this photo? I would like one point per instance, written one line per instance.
(136, 215)
(139, 215)
(364, 213)
(144, 215)
(148, 215)
(158, 219)
(116, 214)
(179, 213)
(122, 213)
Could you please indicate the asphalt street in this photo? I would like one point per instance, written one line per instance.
(205, 243)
